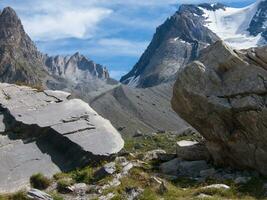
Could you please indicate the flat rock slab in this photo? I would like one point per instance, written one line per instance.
(45, 131)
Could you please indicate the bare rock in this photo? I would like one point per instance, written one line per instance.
(107, 170)
(38, 195)
(223, 96)
(192, 168)
(170, 167)
(47, 132)
(153, 155)
(217, 186)
(192, 150)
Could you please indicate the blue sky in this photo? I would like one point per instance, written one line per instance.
(111, 32)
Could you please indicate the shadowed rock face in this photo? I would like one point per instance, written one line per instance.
(20, 60)
(223, 95)
(47, 132)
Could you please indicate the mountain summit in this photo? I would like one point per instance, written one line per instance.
(192, 28)
(20, 60)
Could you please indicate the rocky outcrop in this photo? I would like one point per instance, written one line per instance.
(223, 95)
(20, 60)
(45, 131)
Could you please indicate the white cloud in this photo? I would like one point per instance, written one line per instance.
(118, 46)
(65, 23)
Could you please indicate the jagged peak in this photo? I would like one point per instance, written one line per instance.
(9, 12)
(212, 7)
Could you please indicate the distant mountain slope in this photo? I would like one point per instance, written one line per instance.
(131, 109)
(192, 28)
(75, 68)
(20, 60)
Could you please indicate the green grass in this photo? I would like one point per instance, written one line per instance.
(56, 196)
(164, 141)
(20, 195)
(39, 181)
(62, 184)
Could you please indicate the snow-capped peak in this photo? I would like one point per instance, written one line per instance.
(232, 24)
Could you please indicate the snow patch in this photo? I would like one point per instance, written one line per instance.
(134, 81)
(231, 25)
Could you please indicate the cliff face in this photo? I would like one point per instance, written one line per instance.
(20, 60)
(223, 95)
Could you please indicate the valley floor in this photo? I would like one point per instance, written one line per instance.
(136, 174)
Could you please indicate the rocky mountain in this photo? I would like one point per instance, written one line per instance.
(175, 43)
(75, 68)
(46, 132)
(223, 95)
(192, 28)
(20, 60)
(144, 110)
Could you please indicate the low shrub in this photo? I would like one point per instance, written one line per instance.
(39, 181)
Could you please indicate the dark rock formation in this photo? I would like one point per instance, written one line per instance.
(20, 60)
(44, 131)
(223, 95)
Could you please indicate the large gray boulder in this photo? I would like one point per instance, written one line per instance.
(223, 95)
(45, 131)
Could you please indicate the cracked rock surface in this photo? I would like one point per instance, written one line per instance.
(45, 131)
(224, 96)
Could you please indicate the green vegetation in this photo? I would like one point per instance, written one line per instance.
(56, 196)
(21, 195)
(141, 177)
(164, 141)
(62, 184)
(39, 181)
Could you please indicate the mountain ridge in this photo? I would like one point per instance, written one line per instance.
(194, 28)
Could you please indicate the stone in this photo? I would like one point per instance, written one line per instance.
(153, 155)
(155, 181)
(78, 188)
(38, 195)
(217, 186)
(138, 133)
(109, 196)
(242, 180)
(132, 193)
(46, 132)
(165, 157)
(192, 150)
(192, 168)
(207, 173)
(107, 170)
(170, 167)
(203, 196)
(223, 96)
